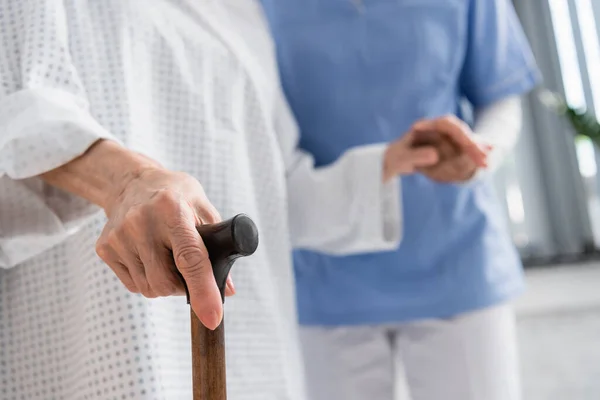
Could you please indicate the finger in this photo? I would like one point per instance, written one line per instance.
(123, 274)
(458, 131)
(130, 259)
(420, 125)
(206, 213)
(112, 260)
(423, 157)
(432, 174)
(161, 272)
(487, 147)
(466, 168)
(441, 172)
(110, 257)
(403, 159)
(448, 149)
(451, 127)
(440, 124)
(136, 270)
(456, 169)
(425, 138)
(229, 288)
(192, 261)
(435, 174)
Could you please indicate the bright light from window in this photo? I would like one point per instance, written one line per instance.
(514, 202)
(567, 52)
(589, 36)
(586, 157)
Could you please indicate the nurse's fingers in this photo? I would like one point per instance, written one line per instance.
(455, 170)
(422, 157)
(402, 158)
(459, 132)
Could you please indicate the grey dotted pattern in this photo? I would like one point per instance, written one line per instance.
(72, 71)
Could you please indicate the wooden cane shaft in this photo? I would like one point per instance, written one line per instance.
(208, 361)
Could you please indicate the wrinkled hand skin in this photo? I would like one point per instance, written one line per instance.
(151, 238)
(453, 142)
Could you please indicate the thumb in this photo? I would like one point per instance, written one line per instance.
(192, 261)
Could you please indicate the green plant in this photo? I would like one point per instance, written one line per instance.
(583, 122)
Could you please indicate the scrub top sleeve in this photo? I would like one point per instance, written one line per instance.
(498, 60)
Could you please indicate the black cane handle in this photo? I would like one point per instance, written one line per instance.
(226, 242)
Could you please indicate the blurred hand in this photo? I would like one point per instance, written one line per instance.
(403, 157)
(151, 235)
(460, 156)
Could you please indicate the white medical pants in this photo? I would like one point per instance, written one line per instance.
(472, 356)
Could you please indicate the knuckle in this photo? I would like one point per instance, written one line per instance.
(128, 226)
(113, 237)
(134, 215)
(185, 237)
(166, 200)
(189, 257)
(134, 221)
(102, 249)
(213, 217)
(177, 218)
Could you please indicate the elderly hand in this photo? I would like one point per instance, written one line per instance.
(460, 156)
(402, 157)
(151, 235)
(150, 239)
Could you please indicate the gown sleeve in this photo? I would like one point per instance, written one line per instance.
(343, 208)
(44, 123)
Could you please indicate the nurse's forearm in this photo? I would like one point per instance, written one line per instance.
(101, 173)
(499, 125)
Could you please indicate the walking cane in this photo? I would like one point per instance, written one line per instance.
(225, 242)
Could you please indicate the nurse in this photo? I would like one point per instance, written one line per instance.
(363, 71)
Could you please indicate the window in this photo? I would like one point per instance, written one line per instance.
(550, 186)
(578, 46)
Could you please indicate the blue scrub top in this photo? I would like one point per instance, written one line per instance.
(358, 72)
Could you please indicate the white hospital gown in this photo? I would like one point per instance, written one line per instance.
(192, 84)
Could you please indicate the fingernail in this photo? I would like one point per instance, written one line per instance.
(212, 319)
(230, 285)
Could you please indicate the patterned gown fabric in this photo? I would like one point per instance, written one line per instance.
(192, 84)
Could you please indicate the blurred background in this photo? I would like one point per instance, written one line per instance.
(550, 187)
